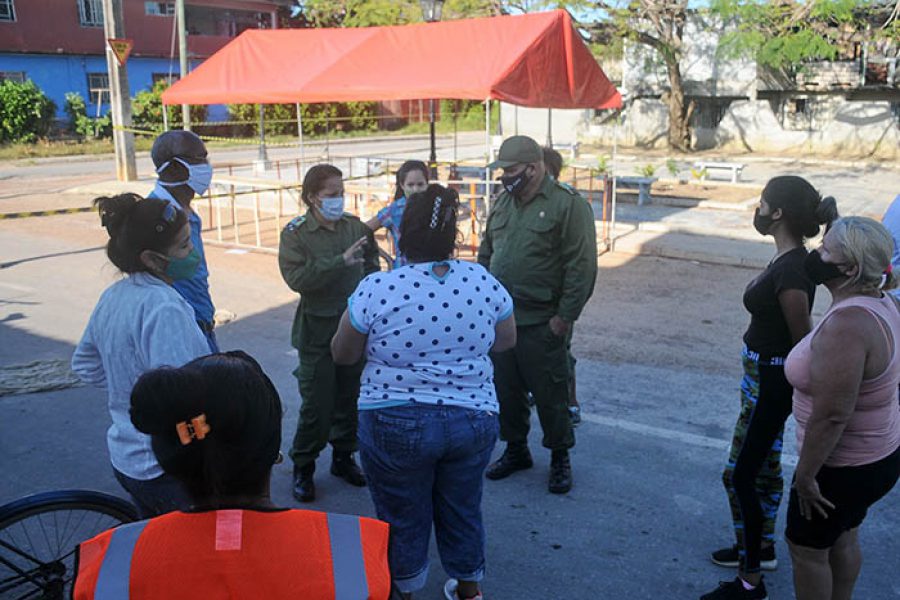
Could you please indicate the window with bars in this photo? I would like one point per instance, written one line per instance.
(98, 88)
(169, 79)
(17, 76)
(90, 13)
(159, 9)
(7, 10)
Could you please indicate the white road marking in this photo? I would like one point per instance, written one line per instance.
(674, 435)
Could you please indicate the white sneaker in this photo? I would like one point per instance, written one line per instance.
(450, 591)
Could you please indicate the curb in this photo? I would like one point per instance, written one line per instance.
(45, 213)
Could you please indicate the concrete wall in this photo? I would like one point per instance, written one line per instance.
(831, 126)
(569, 126)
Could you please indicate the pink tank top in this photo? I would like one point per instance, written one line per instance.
(873, 431)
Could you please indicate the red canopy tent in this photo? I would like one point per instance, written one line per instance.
(536, 60)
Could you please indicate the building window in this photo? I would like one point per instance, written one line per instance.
(90, 13)
(159, 9)
(17, 76)
(202, 20)
(7, 10)
(98, 88)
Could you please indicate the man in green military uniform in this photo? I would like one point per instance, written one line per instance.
(323, 255)
(541, 243)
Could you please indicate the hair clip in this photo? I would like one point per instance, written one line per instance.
(434, 212)
(889, 270)
(195, 429)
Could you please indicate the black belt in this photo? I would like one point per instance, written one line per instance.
(206, 326)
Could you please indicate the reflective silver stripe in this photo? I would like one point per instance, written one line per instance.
(115, 572)
(347, 558)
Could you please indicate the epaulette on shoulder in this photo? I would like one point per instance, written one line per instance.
(295, 223)
(568, 188)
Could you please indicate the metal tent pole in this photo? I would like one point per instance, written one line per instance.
(489, 151)
(300, 135)
(612, 241)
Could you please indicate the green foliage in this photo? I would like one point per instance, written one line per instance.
(647, 170)
(79, 121)
(672, 167)
(281, 119)
(603, 166)
(369, 13)
(26, 113)
(147, 109)
(783, 35)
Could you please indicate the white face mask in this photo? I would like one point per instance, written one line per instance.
(199, 176)
(331, 209)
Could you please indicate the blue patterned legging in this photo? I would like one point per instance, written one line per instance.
(752, 476)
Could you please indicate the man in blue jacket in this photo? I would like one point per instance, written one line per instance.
(183, 171)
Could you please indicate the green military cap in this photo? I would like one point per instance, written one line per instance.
(516, 150)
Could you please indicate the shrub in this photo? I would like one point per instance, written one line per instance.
(147, 109)
(647, 170)
(26, 113)
(83, 125)
(317, 118)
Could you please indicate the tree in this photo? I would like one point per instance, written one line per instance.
(26, 113)
(369, 13)
(660, 25)
(783, 35)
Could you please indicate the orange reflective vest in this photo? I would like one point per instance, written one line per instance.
(241, 554)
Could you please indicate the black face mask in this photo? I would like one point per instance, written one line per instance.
(818, 270)
(762, 223)
(514, 184)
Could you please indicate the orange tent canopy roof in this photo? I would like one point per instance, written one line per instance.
(534, 60)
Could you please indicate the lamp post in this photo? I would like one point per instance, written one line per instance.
(431, 13)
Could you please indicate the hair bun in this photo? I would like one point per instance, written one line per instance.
(163, 397)
(114, 211)
(826, 211)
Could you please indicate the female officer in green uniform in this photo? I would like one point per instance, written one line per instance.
(323, 255)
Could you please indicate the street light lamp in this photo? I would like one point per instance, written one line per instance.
(431, 13)
(431, 10)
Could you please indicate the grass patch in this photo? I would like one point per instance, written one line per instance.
(143, 143)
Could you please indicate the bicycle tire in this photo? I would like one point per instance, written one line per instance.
(45, 571)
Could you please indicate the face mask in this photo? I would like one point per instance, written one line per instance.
(514, 184)
(762, 223)
(332, 208)
(818, 270)
(183, 268)
(199, 176)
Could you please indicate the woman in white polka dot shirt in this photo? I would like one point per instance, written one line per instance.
(427, 406)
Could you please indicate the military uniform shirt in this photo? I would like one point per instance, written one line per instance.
(311, 260)
(544, 252)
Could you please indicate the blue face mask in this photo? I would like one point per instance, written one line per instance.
(199, 176)
(331, 209)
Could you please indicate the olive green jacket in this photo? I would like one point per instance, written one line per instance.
(311, 260)
(544, 252)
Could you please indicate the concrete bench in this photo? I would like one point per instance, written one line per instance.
(734, 168)
(641, 183)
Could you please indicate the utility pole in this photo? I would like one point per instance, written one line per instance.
(182, 58)
(119, 94)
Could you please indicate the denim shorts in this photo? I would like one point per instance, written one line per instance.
(154, 497)
(425, 466)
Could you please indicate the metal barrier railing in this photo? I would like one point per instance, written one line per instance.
(250, 213)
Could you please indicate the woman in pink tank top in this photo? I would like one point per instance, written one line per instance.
(845, 375)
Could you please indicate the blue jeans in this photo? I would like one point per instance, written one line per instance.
(424, 465)
(155, 497)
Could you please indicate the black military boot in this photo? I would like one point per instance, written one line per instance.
(560, 472)
(516, 457)
(343, 466)
(304, 488)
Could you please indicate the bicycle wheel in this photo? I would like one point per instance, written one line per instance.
(39, 535)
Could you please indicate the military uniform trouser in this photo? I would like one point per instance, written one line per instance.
(328, 392)
(539, 364)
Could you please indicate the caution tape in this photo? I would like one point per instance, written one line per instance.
(210, 138)
(45, 213)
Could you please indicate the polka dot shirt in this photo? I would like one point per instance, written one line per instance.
(429, 336)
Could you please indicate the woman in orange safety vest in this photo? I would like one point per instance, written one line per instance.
(215, 425)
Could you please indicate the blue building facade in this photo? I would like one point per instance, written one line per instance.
(86, 74)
